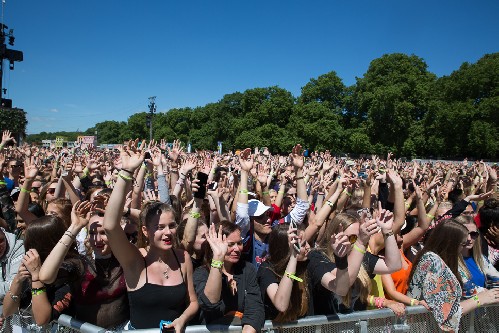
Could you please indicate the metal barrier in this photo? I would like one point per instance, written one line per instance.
(417, 319)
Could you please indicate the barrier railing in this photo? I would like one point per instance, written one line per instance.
(417, 319)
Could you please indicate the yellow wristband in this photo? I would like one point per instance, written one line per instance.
(358, 249)
(293, 277)
(407, 205)
(477, 300)
(430, 216)
(243, 191)
(195, 215)
(346, 192)
(281, 192)
(265, 192)
(24, 190)
(413, 301)
(125, 178)
(216, 263)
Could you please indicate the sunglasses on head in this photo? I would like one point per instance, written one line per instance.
(474, 234)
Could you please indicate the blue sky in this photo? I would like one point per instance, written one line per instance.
(96, 60)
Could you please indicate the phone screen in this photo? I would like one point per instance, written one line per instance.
(203, 179)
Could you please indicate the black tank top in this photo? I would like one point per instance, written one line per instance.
(153, 303)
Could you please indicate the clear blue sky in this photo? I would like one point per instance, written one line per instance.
(96, 60)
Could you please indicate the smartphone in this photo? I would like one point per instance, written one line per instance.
(203, 180)
(213, 186)
(163, 328)
(147, 156)
(293, 225)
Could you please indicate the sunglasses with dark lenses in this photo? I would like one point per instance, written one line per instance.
(352, 238)
(474, 234)
(15, 166)
(51, 191)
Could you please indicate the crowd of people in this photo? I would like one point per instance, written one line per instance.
(152, 236)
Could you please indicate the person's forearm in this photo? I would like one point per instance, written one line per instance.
(366, 199)
(280, 194)
(60, 189)
(42, 309)
(116, 203)
(137, 188)
(398, 208)
(392, 254)
(301, 188)
(213, 288)
(243, 188)
(9, 305)
(24, 196)
(73, 196)
(283, 293)
(355, 258)
(50, 267)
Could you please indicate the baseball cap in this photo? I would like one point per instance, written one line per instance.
(256, 208)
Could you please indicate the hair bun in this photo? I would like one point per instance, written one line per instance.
(491, 203)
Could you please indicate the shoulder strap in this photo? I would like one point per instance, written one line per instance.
(145, 264)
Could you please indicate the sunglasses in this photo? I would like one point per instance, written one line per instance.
(352, 238)
(15, 166)
(51, 191)
(474, 234)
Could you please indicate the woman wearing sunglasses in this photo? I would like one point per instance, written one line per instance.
(359, 230)
(478, 272)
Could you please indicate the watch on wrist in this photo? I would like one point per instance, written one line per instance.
(13, 297)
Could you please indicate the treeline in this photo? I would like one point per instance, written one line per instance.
(398, 105)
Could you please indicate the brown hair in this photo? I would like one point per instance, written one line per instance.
(279, 254)
(444, 241)
(149, 210)
(65, 206)
(44, 233)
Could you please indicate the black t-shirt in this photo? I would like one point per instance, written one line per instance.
(318, 299)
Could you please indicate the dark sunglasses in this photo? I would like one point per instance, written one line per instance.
(352, 238)
(15, 166)
(51, 191)
(474, 234)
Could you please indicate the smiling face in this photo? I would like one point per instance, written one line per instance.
(97, 236)
(235, 247)
(161, 230)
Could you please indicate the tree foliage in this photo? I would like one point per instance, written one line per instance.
(397, 105)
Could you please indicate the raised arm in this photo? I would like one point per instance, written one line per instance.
(127, 254)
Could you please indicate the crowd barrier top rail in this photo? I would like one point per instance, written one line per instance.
(416, 319)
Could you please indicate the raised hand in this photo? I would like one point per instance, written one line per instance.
(340, 243)
(297, 156)
(7, 137)
(218, 242)
(175, 151)
(32, 262)
(384, 219)
(367, 228)
(79, 214)
(131, 156)
(246, 160)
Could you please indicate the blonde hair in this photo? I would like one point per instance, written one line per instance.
(476, 251)
(363, 281)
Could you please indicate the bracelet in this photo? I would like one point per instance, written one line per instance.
(194, 215)
(371, 300)
(243, 191)
(149, 175)
(413, 301)
(2, 182)
(281, 192)
(66, 245)
(346, 192)
(25, 190)
(173, 170)
(127, 171)
(70, 234)
(125, 178)
(213, 172)
(329, 203)
(216, 263)
(37, 291)
(341, 262)
(388, 234)
(298, 178)
(407, 205)
(358, 249)
(182, 174)
(143, 166)
(292, 277)
(265, 192)
(430, 216)
(108, 182)
(477, 300)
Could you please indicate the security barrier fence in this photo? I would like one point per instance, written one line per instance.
(417, 319)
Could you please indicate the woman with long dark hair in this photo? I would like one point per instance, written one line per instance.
(435, 276)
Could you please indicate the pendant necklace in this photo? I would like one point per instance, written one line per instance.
(165, 272)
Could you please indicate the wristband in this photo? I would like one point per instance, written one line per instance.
(127, 171)
(329, 203)
(243, 191)
(66, 245)
(143, 166)
(195, 215)
(213, 172)
(298, 178)
(407, 205)
(341, 262)
(70, 234)
(2, 182)
(125, 178)
(371, 300)
(358, 249)
(430, 216)
(25, 190)
(265, 192)
(281, 192)
(216, 263)
(346, 192)
(413, 301)
(108, 182)
(477, 300)
(37, 291)
(293, 277)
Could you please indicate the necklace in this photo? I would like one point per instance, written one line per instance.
(165, 272)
